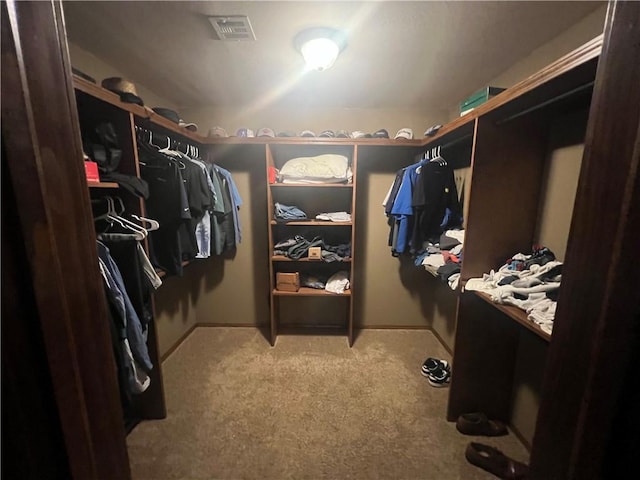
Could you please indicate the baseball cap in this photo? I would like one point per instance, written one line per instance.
(124, 88)
(266, 132)
(405, 133)
(245, 132)
(287, 133)
(382, 133)
(328, 134)
(307, 133)
(432, 130)
(343, 134)
(217, 132)
(189, 126)
(359, 134)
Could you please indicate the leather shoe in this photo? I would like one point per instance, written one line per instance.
(494, 461)
(479, 424)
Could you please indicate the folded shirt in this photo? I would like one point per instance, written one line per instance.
(334, 216)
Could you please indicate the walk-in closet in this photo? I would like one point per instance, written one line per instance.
(408, 256)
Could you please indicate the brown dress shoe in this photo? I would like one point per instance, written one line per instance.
(479, 424)
(494, 461)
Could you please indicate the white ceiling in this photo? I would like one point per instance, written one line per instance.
(399, 54)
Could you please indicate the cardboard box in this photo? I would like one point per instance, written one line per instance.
(288, 282)
(478, 98)
(315, 252)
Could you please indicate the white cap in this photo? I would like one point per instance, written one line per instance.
(406, 133)
(266, 132)
(217, 132)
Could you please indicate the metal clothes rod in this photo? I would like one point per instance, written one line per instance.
(547, 102)
(451, 143)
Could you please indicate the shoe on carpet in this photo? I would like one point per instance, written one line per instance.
(440, 377)
(432, 364)
(479, 424)
(494, 461)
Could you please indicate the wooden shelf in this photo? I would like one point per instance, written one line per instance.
(310, 292)
(102, 185)
(282, 258)
(314, 141)
(162, 273)
(516, 314)
(140, 112)
(323, 223)
(311, 185)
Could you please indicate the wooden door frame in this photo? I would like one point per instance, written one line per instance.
(42, 155)
(596, 330)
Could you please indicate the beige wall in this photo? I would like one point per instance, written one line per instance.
(175, 303)
(98, 69)
(391, 291)
(586, 29)
(317, 120)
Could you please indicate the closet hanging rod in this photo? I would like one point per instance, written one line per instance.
(452, 142)
(547, 102)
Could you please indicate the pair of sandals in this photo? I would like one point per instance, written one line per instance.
(485, 456)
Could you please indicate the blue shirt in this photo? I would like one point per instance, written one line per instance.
(236, 201)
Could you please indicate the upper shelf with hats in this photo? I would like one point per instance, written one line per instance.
(122, 94)
(569, 79)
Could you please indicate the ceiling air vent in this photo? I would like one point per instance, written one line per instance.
(233, 27)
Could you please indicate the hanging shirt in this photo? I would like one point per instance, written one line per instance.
(236, 202)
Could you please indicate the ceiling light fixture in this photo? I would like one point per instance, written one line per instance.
(320, 46)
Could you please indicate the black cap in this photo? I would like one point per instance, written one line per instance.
(382, 133)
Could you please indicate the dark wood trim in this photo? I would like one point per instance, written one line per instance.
(441, 340)
(180, 341)
(44, 163)
(596, 324)
(517, 314)
(225, 325)
(141, 113)
(393, 327)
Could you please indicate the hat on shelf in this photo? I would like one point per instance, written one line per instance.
(192, 127)
(382, 133)
(245, 132)
(432, 130)
(327, 134)
(167, 113)
(173, 116)
(359, 134)
(217, 132)
(405, 133)
(266, 132)
(287, 133)
(124, 88)
(343, 134)
(307, 133)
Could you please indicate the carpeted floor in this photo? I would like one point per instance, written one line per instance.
(309, 408)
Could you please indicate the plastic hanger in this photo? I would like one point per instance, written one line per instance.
(139, 231)
(155, 225)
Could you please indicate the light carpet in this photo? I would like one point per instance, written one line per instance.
(308, 408)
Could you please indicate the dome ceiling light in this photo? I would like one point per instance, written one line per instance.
(320, 46)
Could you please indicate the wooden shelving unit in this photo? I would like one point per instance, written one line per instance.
(516, 314)
(310, 292)
(313, 199)
(102, 185)
(282, 258)
(509, 139)
(322, 223)
(311, 185)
